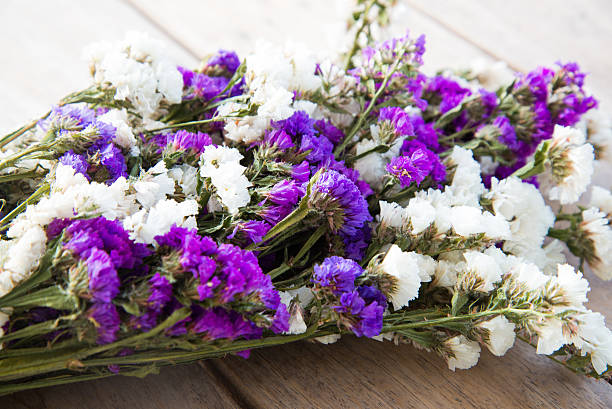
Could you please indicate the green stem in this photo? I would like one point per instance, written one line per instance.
(18, 176)
(16, 134)
(44, 189)
(183, 124)
(364, 23)
(364, 115)
(293, 218)
(18, 155)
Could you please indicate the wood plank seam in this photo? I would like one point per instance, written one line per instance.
(421, 10)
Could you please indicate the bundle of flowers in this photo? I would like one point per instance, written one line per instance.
(167, 215)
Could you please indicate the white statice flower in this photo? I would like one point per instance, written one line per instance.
(500, 335)
(481, 272)
(594, 338)
(372, 167)
(523, 207)
(328, 339)
(124, 136)
(391, 214)
(145, 224)
(587, 331)
(153, 186)
(296, 318)
(571, 165)
(466, 186)
(463, 353)
(222, 165)
(602, 199)
(187, 178)
(139, 71)
(550, 336)
(597, 126)
(23, 256)
(491, 75)
(446, 273)
(598, 231)
(568, 289)
(409, 269)
(528, 274)
(3, 320)
(548, 256)
(467, 221)
(420, 214)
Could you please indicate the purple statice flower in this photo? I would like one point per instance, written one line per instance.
(225, 274)
(301, 172)
(113, 160)
(507, 134)
(56, 227)
(438, 170)
(356, 245)
(182, 141)
(542, 125)
(72, 116)
(76, 162)
(285, 193)
(425, 132)
(108, 235)
(573, 109)
(537, 81)
(187, 76)
(450, 92)
(330, 163)
(368, 318)
(297, 125)
(319, 147)
(206, 87)
(253, 230)
(226, 59)
(337, 273)
(489, 102)
(219, 323)
(161, 292)
(279, 139)
(103, 278)
(409, 169)
(274, 214)
(398, 118)
(335, 194)
(415, 85)
(327, 129)
(106, 320)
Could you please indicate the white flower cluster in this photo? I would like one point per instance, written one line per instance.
(71, 195)
(572, 165)
(222, 165)
(456, 211)
(273, 74)
(598, 231)
(491, 75)
(124, 136)
(139, 71)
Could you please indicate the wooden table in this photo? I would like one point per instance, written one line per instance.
(41, 42)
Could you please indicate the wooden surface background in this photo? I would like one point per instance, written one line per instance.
(41, 43)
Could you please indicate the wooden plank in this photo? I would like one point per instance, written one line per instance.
(366, 373)
(189, 387)
(42, 43)
(316, 23)
(528, 33)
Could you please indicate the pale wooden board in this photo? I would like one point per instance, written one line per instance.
(186, 387)
(365, 373)
(527, 33)
(42, 43)
(205, 26)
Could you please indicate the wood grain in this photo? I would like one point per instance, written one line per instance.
(527, 33)
(42, 43)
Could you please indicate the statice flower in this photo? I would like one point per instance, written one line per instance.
(253, 231)
(76, 162)
(335, 194)
(225, 274)
(449, 92)
(438, 169)
(398, 118)
(106, 320)
(360, 307)
(184, 141)
(228, 60)
(410, 169)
